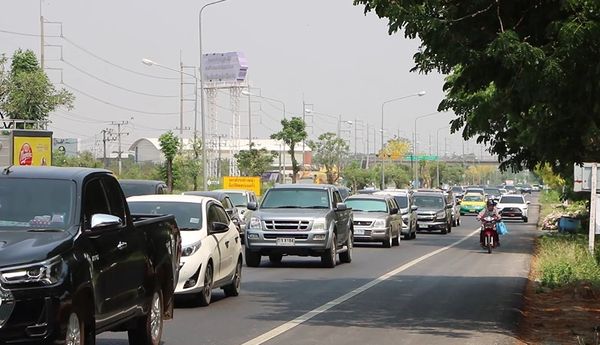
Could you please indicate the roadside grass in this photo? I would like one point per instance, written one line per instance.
(548, 200)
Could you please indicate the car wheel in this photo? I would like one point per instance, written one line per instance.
(234, 288)
(329, 258)
(275, 258)
(206, 293)
(414, 235)
(458, 222)
(445, 230)
(346, 257)
(75, 333)
(407, 237)
(149, 328)
(387, 242)
(396, 240)
(525, 219)
(252, 259)
(462, 214)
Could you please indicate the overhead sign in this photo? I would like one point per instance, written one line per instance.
(421, 158)
(32, 150)
(582, 177)
(249, 183)
(226, 67)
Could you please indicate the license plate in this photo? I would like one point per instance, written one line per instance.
(286, 241)
(359, 231)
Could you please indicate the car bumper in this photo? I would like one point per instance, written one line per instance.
(303, 243)
(431, 225)
(370, 234)
(189, 276)
(513, 215)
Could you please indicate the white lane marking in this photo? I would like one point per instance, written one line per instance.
(261, 339)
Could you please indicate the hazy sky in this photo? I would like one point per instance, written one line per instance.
(328, 53)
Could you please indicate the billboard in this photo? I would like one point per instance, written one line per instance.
(250, 183)
(32, 149)
(67, 146)
(225, 67)
(582, 178)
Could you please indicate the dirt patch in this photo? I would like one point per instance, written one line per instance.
(569, 315)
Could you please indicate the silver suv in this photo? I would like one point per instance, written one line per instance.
(434, 213)
(304, 220)
(376, 219)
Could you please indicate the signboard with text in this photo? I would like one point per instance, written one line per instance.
(32, 148)
(582, 177)
(249, 183)
(224, 67)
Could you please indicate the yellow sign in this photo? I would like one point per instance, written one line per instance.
(251, 183)
(32, 151)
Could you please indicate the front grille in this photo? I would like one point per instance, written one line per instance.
(427, 218)
(511, 210)
(296, 236)
(287, 225)
(363, 222)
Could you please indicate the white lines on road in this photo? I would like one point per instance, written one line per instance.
(311, 314)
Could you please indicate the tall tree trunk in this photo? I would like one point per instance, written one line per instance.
(294, 163)
(170, 175)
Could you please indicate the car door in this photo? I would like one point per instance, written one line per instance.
(342, 219)
(105, 257)
(216, 213)
(395, 219)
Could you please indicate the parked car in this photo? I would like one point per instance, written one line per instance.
(212, 249)
(513, 207)
(230, 208)
(472, 204)
(143, 187)
(305, 220)
(434, 212)
(376, 219)
(76, 263)
(408, 211)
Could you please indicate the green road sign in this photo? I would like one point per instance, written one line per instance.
(421, 158)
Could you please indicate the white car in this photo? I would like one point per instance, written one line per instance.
(212, 250)
(513, 206)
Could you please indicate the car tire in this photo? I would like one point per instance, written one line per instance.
(525, 219)
(387, 242)
(77, 329)
(407, 237)
(396, 240)
(252, 259)
(233, 289)
(275, 258)
(329, 258)
(445, 230)
(205, 295)
(346, 257)
(458, 222)
(414, 235)
(149, 328)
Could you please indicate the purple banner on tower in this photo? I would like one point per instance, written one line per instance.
(224, 67)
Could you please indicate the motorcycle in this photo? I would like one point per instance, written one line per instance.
(488, 225)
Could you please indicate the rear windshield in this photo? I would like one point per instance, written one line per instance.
(296, 198)
(458, 189)
(238, 199)
(401, 200)
(429, 201)
(512, 200)
(36, 204)
(134, 189)
(473, 198)
(187, 215)
(493, 191)
(367, 205)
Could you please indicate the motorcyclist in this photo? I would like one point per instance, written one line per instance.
(490, 210)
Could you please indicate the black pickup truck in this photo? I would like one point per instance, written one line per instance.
(74, 262)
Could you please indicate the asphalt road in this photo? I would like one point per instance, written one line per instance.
(432, 290)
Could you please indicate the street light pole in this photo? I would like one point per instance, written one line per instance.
(202, 114)
(419, 94)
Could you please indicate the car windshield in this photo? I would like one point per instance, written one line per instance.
(367, 205)
(512, 200)
(493, 191)
(476, 191)
(36, 204)
(472, 198)
(426, 201)
(188, 215)
(296, 198)
(402, 200)
(238, 199)
(457, 189)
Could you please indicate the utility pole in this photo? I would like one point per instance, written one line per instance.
(180, 102)
(355, 135)
(367, 163)
(41, 37)
(119, 135)
(107, 135)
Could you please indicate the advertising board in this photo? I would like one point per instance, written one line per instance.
(250, 183)
(32, 148)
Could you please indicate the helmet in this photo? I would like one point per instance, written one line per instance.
(490, 202)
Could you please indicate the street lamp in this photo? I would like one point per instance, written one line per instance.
(204, 172)
(418, 94)
(415, 146)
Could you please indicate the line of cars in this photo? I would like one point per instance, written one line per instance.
(510, 204)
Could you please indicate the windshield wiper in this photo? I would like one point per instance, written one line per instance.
(46, 230)
(314, 207)
(189, 229)
(286, 206)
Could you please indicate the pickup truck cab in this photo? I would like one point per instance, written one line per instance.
(74, 262)
(304, 220)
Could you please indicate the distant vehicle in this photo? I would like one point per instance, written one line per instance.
(305, 220)
(212, 250)
(475, 190)
(510, 189)
(408, 210)
(344, 192)
(502, 191)
(366, 191)
(376, 219)
(458, 191)
(455, 202)
(224, 199)
(240, 200)
(434, 212)
(536, 187)
(472, 203)
(492, 193)
(143, 187)
(526, 189)
(513, 207)
(75, 262)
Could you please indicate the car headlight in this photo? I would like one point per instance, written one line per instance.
(405, 219)
(379, 223)
(440, 215)
(47, 272)
(255, 223)
(319, 224)
(191, 249)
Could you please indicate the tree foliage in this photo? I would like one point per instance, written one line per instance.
(254, 162)
(26, 93)
(169, 145)
(358, 178)
(523, 75)
(395, 149)
(329, 151)
(293, 132)
(84, 159)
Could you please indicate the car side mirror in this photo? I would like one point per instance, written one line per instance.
(229, 211)
(394, 211)
(219, 228)
(252, 206)
(341, 206)
(528, 202)
(101, 221)
(449, 206)
(414, 207)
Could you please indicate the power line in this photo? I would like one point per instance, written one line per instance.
(24, 33)
(115, 85)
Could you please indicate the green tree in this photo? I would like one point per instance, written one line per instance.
(84, 159)
(357, 177)
(292, 133)
(254, 162)
(26, 93)
(520, 72)
(329, 151)
(169, 145)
